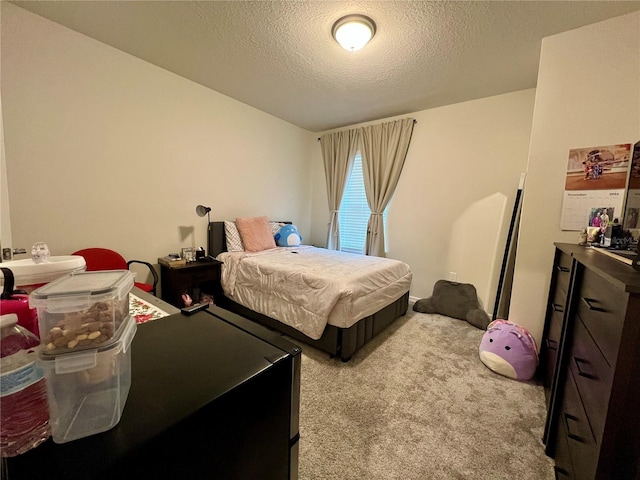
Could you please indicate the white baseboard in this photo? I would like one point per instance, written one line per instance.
(413, 299)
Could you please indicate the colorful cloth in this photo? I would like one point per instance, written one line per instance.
(143, 311)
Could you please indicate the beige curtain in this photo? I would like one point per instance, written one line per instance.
(384, 149)
(338, 151)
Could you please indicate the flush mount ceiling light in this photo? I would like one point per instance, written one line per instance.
(353, 31)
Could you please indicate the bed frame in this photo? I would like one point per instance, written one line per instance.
(336, 341)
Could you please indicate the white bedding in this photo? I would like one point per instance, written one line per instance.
(307, 287)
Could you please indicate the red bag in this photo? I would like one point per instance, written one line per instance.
(17, 301)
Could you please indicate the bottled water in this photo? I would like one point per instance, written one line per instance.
(24, 411)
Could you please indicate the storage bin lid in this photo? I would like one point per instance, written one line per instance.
(79, 290)
(27, 272)
(85, 359)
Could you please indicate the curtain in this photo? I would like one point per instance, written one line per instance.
(384, 149)
(338, 151)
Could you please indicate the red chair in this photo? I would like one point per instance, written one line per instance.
(105, 259)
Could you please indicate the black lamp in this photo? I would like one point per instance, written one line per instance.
(201, 210)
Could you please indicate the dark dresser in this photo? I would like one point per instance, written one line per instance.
(590, 366)
(213, 396)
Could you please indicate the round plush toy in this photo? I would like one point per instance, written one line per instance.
(509, 349)
(288, 236)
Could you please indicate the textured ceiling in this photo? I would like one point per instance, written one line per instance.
(279, 56)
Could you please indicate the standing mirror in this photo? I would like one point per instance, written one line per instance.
(631, 221)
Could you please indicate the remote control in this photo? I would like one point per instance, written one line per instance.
(196, 307)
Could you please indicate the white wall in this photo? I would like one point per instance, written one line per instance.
(588, 94)
(452, 207)
(103, 149)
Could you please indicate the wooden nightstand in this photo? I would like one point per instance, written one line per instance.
(194, 279)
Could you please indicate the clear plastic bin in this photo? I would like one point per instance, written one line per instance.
(87, 390)
(82, 310)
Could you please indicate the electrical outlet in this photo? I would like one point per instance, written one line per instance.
(453, 276)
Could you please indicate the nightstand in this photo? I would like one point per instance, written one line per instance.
(195, 279)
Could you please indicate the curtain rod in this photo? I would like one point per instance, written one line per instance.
(414, 121)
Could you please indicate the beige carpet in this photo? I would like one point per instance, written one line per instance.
(417, 403)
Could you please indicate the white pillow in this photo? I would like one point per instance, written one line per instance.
(275, 226)
(234, 242)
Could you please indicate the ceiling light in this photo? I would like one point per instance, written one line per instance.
(353, 31)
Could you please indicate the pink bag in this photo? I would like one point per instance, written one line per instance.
(17, 301)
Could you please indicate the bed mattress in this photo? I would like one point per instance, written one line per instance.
(307, 287)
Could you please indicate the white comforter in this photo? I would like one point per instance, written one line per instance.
(307, 287)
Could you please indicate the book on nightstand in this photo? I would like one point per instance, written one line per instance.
(171, 261)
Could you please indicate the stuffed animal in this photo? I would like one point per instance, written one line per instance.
(456, 300)
(509, 349)
(288, 236)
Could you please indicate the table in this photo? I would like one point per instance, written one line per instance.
(213, 395)
(194, 279)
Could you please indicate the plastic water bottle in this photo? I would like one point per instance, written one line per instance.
(24, 411)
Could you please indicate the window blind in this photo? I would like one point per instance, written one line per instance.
(354, 212)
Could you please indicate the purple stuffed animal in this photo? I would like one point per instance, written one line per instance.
(509, 349)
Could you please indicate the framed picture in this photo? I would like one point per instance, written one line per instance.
(189, 254)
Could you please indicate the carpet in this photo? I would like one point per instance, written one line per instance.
(417, 403)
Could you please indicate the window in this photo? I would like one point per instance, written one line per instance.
(354, 212)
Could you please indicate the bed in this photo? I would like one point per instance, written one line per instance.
(310, 294)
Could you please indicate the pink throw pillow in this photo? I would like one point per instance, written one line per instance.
(255, 233)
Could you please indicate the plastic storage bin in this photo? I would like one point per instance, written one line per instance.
(82, 310)
(29, 275)
(87, 390)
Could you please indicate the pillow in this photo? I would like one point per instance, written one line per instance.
(509, 349)
(234, 242)
(255, 233)
(275, 226)
(456, 300)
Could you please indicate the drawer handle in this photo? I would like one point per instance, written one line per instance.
(589, 303)
(551, 344)
(557, 307)
(573, 436)
(582, 373)
(562, 269)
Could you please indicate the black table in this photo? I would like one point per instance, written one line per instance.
(213, 395)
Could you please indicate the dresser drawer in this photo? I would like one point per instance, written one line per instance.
(583, 449)
(602, 309)
(563, 468)
(549, 351)
(562, 275)
(593, 377)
